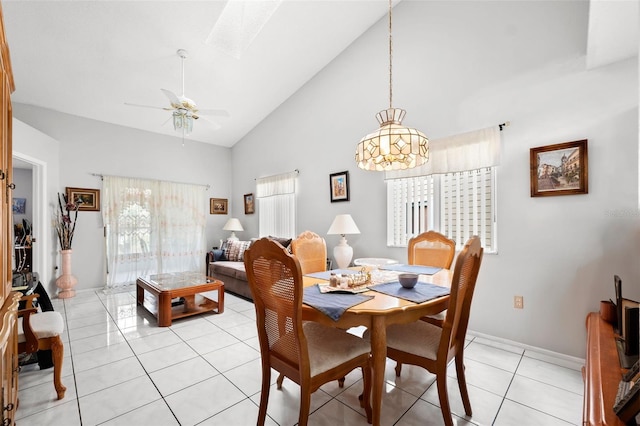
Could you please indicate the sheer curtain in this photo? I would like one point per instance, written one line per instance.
(152, 227)
(276, 197)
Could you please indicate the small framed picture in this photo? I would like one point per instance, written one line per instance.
(559, 169)
(19, 205)
(218, 205)
(339, 186)
(89, 199)
(249, 204)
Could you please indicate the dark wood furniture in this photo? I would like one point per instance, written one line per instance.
(602, 373)
(185, 285)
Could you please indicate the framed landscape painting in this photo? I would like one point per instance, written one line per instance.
(339, 186)
(218, 205)
(559, 169)
(89, 199)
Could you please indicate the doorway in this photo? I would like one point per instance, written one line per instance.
(40, 240)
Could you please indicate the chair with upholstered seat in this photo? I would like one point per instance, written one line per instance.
(432, 347)
(311, 251)
(41, 331)
(307, 352)
(431, 248)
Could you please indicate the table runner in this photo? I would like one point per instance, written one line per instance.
(414, 269)
(334, 304)
(325, 275)
(422, 292)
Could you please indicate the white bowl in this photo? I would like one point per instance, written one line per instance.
(408, 280)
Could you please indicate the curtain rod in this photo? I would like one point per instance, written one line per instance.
(505, 124)
(296, 171)
(101, 176)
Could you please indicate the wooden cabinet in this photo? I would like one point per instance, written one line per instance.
(602, 373)
(8, 299)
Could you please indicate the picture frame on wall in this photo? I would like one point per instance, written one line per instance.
(339, 186)
(249, 204)
(19, 205)
(218, 206)
(560, 169)
(89, 199)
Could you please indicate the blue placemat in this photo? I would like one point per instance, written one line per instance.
(414, 269)
(422, 292)
(334, 304)
(325, 275)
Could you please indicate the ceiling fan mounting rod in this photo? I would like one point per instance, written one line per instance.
(183, 55)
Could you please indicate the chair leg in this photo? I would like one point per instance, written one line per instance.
(264, 394)
(279, 381)
(341, 382)
(365, 398)
(305, 404)
(462, 384)
(398, 368)
(441, 380)
(57, 350)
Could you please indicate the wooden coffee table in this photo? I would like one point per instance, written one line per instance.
(185, 285)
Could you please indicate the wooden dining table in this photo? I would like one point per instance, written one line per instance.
(377, 314)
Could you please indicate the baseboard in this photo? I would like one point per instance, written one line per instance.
(567, 361)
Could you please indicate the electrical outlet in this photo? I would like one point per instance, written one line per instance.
(518, 302)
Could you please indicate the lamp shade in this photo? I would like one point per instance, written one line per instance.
(343, 224)
(233, 224)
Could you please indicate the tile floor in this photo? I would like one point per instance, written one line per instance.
(121, 369)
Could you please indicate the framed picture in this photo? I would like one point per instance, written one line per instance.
(19, 205)
(89, 199)
(339, 186)
(559, 169)
(218, 205)
(249, 204)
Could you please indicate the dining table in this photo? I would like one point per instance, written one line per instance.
(377, 313)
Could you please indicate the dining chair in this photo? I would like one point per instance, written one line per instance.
(311, 251)
(40, 331)
(432, 347)
(431, 248)
(306, 352)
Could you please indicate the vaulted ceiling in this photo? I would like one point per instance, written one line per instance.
(89, 58)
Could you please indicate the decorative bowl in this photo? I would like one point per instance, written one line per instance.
(408, 280)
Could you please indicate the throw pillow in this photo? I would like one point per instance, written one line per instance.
(284, 242)
(236, 251)
(218, 254)
(226, 246)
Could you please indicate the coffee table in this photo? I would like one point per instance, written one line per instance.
(185, 285)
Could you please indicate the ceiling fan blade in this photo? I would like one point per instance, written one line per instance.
(173, 98)
(147, 106)
(213, 124)
(216, 112)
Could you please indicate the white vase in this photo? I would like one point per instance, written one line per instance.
(66, 282)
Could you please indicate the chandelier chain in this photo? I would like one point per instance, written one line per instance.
(390, 60)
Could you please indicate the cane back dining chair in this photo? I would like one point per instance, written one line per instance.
(41, 331)
(431, 248)
(307, 352)
(311, 251)
(432, 347)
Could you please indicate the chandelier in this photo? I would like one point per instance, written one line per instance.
(393, 146)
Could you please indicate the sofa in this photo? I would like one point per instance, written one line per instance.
(227, 265)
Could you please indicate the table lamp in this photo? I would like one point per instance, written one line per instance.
(343, 224)
(233, 225)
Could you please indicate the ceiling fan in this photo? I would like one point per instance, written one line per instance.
(184, 110)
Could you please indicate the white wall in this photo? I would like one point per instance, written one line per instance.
(89, 147)
(460, 66)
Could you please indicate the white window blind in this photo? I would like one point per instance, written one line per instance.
(276, 196)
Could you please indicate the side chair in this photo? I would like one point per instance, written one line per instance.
(432, 347)
(41, 331)
(431, 248)
(308, 353)
(311, 251)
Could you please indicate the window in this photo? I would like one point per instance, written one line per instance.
(276, 197)
(457, 205)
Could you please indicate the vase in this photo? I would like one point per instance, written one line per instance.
(66, 282)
